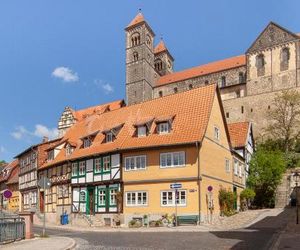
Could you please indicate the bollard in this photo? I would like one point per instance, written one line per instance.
(28, 218)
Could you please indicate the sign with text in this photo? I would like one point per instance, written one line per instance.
(175, 185)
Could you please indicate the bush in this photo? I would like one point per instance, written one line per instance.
(246, 196)
(134, 223)
(227, 199)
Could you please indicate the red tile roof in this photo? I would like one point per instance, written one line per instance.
(8, 169)
(138, 19)
(206, 69)
(189, 110)
(160, 47)
(83, 113)
(14, 177)
(238, 133)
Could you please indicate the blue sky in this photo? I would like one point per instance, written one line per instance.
(72, 53)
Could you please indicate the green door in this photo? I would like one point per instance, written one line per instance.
(235, 202)
(90, 202)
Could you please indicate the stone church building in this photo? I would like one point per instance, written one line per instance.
(248, 82)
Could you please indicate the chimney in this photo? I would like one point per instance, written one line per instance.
(45, 139)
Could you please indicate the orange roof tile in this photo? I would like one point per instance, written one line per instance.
(160, 47)
(209, 68)
(9, 167)
(190, 119)
(138, 19)
(83, 113)
(238, 133)
(14, 177)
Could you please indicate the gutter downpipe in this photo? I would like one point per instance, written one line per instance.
(199, 182)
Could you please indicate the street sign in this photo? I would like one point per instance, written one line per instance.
(175, 185)
(44, 183)
(7, 194)
(210, 188)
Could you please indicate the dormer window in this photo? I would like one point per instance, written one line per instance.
(142, 131)
(87, 142)
(109, 137)
(69, 150)
(164, 128)
(50, 155)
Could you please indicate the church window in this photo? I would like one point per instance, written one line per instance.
(135, 56)
(135, 39)
(241, 77)
(223, 81)
(190, 86)
(284, 60)
(148, 41)
(158, 64)
(175, 90)
(160, 93)
(260, 65)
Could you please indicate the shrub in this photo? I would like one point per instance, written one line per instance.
(227, 200)
(246, 196)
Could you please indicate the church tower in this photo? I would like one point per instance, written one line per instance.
(140, 70)
(163, 60)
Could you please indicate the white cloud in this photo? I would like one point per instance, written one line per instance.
(40, 131)
(106, 87)
(65, 74)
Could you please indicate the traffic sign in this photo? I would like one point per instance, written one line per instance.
(7, 194)
(175, 185)
(209, 188)
(44, 183)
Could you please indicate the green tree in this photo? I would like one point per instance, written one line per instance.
(285, 118)
(266, 169)
(246, 196)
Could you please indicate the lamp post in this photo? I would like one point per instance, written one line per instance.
(296, 177)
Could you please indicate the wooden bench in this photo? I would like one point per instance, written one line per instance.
(187, 219)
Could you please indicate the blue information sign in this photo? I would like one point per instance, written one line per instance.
(176, 185)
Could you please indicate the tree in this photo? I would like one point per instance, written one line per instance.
(246, 196)
(285, 118)
(266, 170)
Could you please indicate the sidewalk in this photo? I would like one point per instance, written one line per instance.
(51, 243)
(289, 237)
(240, 220)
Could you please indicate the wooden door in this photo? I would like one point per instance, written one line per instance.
(42, 202)
(90, 201)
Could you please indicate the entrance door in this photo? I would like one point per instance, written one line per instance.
(90, 201)
(235, 202)
(42, 202)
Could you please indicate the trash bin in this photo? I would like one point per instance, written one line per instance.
(64, 219)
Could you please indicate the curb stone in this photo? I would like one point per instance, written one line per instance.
(72, 245)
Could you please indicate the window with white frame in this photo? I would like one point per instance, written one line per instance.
(51, 155)
(173, 159)
(82, 168)
(87, 142)
(227, 165)
(101, 197)
(34, 198)
(235, 167)
(113, 197)
(97, 165)
(135, 162)
(109, 137)
(106, 163)
(168, 198)
(139, 198)
(240, 170)
(74, 169)
(69, 150)
(164, 128)
(141, 131)
(216, 133)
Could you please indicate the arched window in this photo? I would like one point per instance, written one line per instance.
(135, 56)
(284, 60)
(158, 64)
(148, 41)
(135, 39)
(260, 65)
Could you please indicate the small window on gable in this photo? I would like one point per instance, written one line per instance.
(87, 142)
(223, 81)
(160, 93)
(51, 155)
(175, 90)
(163, 128)
(69, 150)
(190, 86)
(142, 131)
(109, 137)
(216, 133)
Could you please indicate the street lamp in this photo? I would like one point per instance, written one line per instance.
(296, 177)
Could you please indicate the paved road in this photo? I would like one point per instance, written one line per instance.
(257, 236)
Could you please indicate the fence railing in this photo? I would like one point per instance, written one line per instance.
(12, 228)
